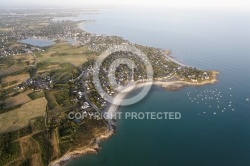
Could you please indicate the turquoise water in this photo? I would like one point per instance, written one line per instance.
(205, 135)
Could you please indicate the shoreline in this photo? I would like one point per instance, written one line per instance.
(168, 85)
(92, 149)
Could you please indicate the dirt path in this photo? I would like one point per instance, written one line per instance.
(55, 144)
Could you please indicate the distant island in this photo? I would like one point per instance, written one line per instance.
(40, 86)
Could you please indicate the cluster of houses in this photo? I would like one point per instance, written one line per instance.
(40, 83)
(100, 43)
(19, 49)
(17, 30)
(96, 43)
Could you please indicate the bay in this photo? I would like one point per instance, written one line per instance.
(205, 135)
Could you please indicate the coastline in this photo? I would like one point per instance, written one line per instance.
(91, 149)
(168, 85)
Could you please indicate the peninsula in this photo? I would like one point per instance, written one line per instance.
(40, 86)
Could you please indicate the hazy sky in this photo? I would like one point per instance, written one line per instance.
(167, 3)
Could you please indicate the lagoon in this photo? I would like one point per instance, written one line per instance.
(38, 42)
(46, 42)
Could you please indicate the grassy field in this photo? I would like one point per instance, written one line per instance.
(36, 95)
(49, 68)
(31, 150)
(3, 66)
(19, 78)
(9, 148)
(15, 63)
(24, 58)
(37, 124)
(5, 29)
(18, 100)
(44, 146)
(62, 97)
(37, 26)
(73, 136)
(15, 44)
(58, 98)
(11, 69)
(63, 52)
(19, 118)
(51, 100)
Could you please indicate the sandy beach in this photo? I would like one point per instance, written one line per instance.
(168, 85)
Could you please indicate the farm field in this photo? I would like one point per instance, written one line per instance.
(24, 58)
(11, 69)
(19, 78)
(19, 118)
(18, 100)
(65, 53)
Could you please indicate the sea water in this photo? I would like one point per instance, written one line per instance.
(211, 131)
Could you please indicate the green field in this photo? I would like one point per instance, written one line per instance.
(36, 95)
(63, 52)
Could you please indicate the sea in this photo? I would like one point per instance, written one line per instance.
(214, 129)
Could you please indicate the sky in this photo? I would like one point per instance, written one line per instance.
(165, 3)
